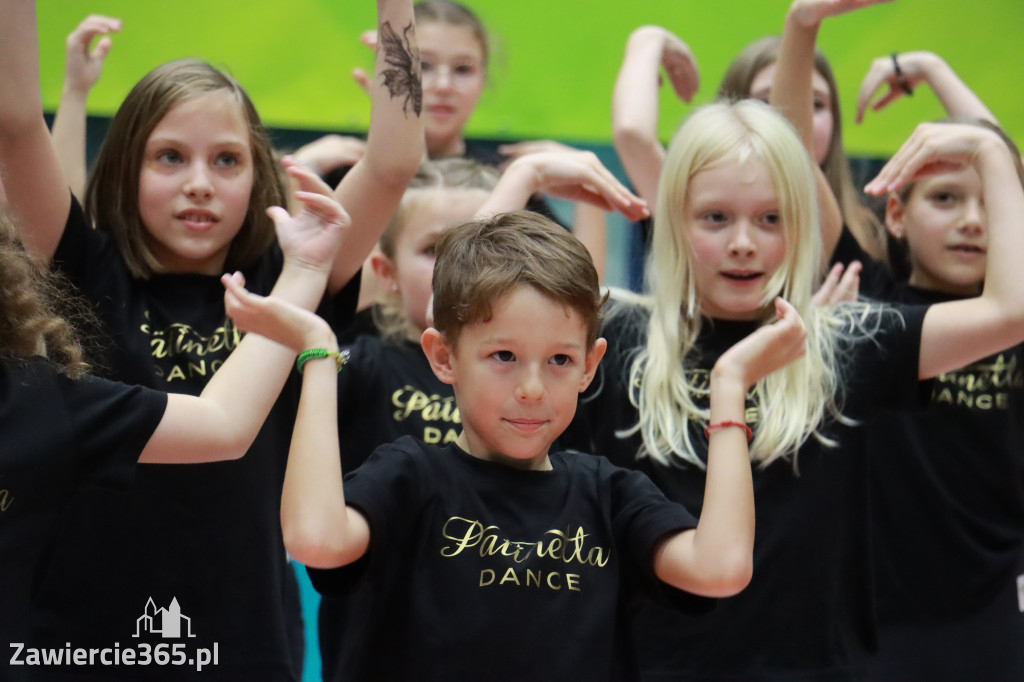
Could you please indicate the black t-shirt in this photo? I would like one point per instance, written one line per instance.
(386, 391)
(807, 613)
(206, 535)
(877, 281)
(56, 435)
(948, 499)
(482, 571)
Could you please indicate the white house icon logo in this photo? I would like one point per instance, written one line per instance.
(166, 622)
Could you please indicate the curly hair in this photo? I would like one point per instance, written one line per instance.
(31, 299)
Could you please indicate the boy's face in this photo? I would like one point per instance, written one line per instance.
(517, 376)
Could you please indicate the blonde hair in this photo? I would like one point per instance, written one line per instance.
(793, 401)
(859, 219)
(455, 173)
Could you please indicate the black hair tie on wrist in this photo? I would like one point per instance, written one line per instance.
(901, 80)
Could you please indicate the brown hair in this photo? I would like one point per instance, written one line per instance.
(112, 195)
(454, 14)
(30, 296)
(479, 261)
(736, 83)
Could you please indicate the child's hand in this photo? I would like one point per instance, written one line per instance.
(810, 13)
(840, 286)
(83, 66)
(311, 238)
(362, 79)
(277, 320)
(931, 149)
(766, 350)
(566, 173)
(913, 70)
(326, 153)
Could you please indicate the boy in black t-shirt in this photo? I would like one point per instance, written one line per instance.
(489, 557)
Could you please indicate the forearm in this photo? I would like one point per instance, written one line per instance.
(319, 529)
(635, 114)
(515, 187)
(370, 192)
(68, 133)
(1003, 199)
(589, 226)
(954, 95)
(792, 92)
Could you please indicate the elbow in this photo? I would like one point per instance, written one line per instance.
(306, 544)
(735, 577)
(629, 138)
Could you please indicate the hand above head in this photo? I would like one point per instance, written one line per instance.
(273, 318)
(359, 75)
(931, 149)
(83, 66)
(566, 173)
(810, 13)
(769, 348)
(329, 152)
(310, 239)
(842, 285)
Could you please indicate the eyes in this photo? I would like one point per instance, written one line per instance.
(507, 356)
(716, 218)
(172, 157)
(459, 72)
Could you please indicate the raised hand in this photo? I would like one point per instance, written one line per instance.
(329, 152)
(841, 285)
(83, 66)
(273, 318)
(810, 13)
(362, 79)
(769, 348)
(566, 173)
(311, 238)
(931, 149)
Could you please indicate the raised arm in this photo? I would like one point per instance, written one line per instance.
(716, 558)
(792, 92)
(564, 173)
(916, 68)
(81, 71)
(635, 102)
(370, 192)
(222, 422)
(37, 192)
(956, 333)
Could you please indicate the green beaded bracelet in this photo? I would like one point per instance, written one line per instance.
(340, 357)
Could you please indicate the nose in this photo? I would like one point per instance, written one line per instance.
(198, 184)
(740, 239)
(530, 387)
(972, 221)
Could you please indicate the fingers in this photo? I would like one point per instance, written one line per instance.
(369, 38)
(323, 207)
(841, 284)
(361, 79)
(90, 27)
(515, 150)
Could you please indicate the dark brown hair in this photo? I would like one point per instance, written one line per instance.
(112, 195)
(481, 260)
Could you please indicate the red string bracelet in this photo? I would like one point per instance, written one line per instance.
(728, 422)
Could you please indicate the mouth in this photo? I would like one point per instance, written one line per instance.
(197, 220)
(526, 424)
(967, 249)
(741, 275)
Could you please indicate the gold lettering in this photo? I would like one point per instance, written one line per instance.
(470, 536)
(6, 499)
(552, 585)
(451, 436)
(431, 434)
(490, 577)
(533, 577)
(572, 581)
(509, 577)
(433, 410)
(200, 369)
(176, 373)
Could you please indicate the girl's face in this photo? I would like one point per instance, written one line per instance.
(453, 78)
(195, 183)
(761, 87)
(943, 222)
(733, 222)
(408, 275)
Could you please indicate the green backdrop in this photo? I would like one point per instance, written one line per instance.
(554, 62)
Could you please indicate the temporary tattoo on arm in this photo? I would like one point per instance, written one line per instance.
(402, 77)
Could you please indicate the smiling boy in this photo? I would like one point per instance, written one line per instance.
(493, 557)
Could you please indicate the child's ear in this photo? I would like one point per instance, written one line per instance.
(438, 354)
(384, 269)
(895, 210)
(594, 356)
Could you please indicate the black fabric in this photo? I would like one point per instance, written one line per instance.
(207, 535)
(877, 281)
(386, 390)
(948, 515)
(56, 435)
(807, 613)
(482, 571)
